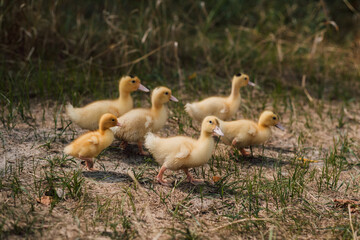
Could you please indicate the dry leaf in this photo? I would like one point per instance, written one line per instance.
(46, 200)
(343, 203)
(216, 178)
(307, 160)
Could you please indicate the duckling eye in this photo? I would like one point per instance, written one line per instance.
(113, 120)
(210, 122)
(166, 93)
(274, 118)
(245, 78)
(133, 81)
(238, 75)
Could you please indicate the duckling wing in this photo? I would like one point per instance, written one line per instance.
(223, 108)
(94, 140)
(210, 106)
(246, 132)
(252, 131)
(170, 152)
(242, 131)
(135, 124)
(217, 106)
(184, 151)
(87, 145)
(181, 153)
(248, 136)
(88, 117)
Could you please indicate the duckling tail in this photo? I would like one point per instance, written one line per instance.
(68, 149)
(72, 113)
(189, 108)
(151, 141)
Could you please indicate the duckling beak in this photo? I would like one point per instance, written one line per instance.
(172, 98)
(251, 84)
(118, 124)
(143, 88)
(218, 131)
(279, 126)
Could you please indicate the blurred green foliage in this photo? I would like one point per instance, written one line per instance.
(81, 47)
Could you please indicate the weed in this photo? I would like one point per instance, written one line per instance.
(183, 233)
(73, 182)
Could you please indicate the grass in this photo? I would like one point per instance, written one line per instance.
(303, 57)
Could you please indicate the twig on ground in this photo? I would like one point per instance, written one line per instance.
(351, 224)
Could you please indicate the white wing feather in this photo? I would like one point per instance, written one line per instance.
(184, 151)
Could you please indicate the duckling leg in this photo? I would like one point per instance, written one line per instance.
(89, 163)
(141, 150)
(123, 145)
(160, 179)
(191, 179)
(242, 150)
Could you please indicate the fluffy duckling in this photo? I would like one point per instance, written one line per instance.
(88, 117)
(90, 144)
(137, 122)
(181, 152)
(244, 133)
(221, 107)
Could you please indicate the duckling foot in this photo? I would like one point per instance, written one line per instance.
(196, 181)
(89, 164)
(123, 145)
(191, 179)
(163, 182)
(159, 177)
(141, 150)
(242, 150)
(244, 153)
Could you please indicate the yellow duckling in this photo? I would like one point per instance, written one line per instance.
(137, 122)
(221, 107)
(88, 117)
(90, 144)
(181, 152)
(244, 133)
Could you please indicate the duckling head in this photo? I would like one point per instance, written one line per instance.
(162, 95)
(268, 119)
(211, 125)
(242, 80)
(131, 83)
(107, 121)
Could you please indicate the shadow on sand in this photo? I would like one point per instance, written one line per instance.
(107, 176)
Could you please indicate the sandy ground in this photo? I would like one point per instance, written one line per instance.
(28, 144)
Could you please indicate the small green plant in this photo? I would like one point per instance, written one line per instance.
(183, 233)
(73, 182)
